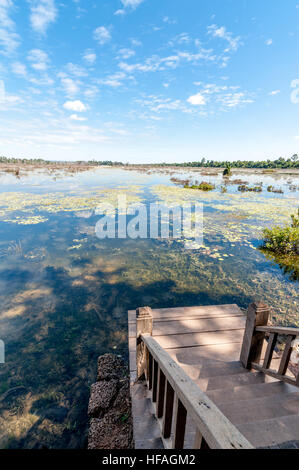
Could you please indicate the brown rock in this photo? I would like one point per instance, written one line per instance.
(110, 367)
(101, 397)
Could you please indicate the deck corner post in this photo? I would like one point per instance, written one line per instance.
(144, 324)
(257, 315)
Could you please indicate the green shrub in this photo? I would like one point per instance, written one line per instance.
(283, 239)
(227, 171)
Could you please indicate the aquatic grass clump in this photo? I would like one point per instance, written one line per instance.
(244, 188)
(283, 240)
(203, 186)
(272, 189)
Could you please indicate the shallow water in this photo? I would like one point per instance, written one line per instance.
(65, 293)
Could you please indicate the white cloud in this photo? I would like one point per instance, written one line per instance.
(19, 69)
(102, 35)
(136, 42)
(75, 117)
(182, 38)
(274, 92)
(91, 91)
(76, 70)
(233, 100)
(222, 33)
(76, 106)
(43, 13)
(131, 3)
(127, 4)
(126, 53)
(39, 59)
(71, 87)
(114, 80)
(120, 12)
(8, 37)
(269, 42)
(89, 56)
(197, 100)
(154, 63)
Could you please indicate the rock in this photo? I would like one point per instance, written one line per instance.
(111, 426)
(123, 400)
(102, 395)
(110, 433)
(110, 367)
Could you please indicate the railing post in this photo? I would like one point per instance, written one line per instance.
(144, 324)
(257, 315)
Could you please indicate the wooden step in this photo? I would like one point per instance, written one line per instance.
(184, 312)
(227, 382)
(250, 391)
(208, 369)
(260, 409)
(272, 431)
(182, 326)
(200, 339)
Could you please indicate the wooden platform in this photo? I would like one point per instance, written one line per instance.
(206, 342)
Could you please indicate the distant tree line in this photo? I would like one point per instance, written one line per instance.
(281, 162)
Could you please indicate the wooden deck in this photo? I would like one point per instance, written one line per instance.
(206, 342)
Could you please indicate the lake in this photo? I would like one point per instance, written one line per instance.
(65, 293)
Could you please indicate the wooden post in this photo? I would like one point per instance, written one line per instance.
(180, 416)
(168, 412)
(257, 315)
(144, 324)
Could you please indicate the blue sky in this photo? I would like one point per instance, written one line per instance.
(149, 80)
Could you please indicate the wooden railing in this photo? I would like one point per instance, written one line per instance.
(175, 396)
(255, 331)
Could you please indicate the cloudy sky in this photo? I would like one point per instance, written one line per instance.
(149, 80)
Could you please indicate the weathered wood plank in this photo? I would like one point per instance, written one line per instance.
(161, 313)
(257, 315)
(260, 409)
(283, 366)
(168, 413)
(182, 326)
(270, 350)
(179, 425)
(280, 330)
(216, 429)
(150, 371)
(161, 394)
(155, 380)
(283, 429)
(200, 339)
(250, 392)
(273, 373)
